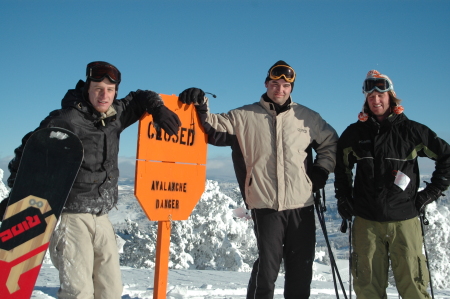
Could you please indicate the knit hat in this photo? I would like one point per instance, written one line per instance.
(279, 62)
(373, 75)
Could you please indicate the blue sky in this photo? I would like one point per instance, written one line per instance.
(224, 47)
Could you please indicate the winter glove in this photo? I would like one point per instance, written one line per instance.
(3, 206)
(345, 208)
(427, 196)
(165, 119)
(150, 98)
(192, 95)
(318, 177)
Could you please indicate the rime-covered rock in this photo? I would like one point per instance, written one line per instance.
(3, 190)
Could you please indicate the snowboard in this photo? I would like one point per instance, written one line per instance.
(50, 162)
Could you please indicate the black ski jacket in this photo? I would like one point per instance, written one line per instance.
(383, 153)
(95, 189)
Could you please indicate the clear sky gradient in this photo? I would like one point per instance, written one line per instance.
(224, 47)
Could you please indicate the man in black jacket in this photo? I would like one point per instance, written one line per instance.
(384, 144)
(83, 246)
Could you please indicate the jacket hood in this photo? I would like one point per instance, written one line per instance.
(74, 97)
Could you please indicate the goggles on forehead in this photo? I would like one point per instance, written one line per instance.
(279, 71)
(379, 84)
(97, 71)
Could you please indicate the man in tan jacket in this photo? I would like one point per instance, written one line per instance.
(270, 140)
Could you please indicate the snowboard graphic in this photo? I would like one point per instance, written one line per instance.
(49, 165)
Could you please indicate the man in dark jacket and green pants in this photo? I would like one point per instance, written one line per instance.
(83, 247)
(384, 144)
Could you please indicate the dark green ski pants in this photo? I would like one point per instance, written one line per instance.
(374, 243)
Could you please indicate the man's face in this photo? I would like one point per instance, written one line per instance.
(278, 90)
(101, 94)
(379, 104)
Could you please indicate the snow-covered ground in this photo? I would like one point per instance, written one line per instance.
(205, 284)
(212, 252)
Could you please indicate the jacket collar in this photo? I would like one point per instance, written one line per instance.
(103, 115)
(388, 122)
(274, 107)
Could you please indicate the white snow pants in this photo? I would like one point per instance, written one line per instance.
(83, 248)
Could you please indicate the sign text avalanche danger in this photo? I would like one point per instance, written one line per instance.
(169, 186)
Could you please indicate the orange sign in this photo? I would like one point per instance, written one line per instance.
(171, 170)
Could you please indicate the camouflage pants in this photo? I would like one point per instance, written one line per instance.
(374, 243)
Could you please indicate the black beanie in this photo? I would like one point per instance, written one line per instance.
(279, 62)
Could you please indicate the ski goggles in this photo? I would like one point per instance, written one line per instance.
(279, 71)
(97, 71)
(379, 84)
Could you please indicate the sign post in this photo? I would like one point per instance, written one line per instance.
(170, 177)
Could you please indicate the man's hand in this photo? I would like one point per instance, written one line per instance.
(192, 95)
(150, 98)
(345, 208)
(166, 119)
(427, 196)
(318, 177)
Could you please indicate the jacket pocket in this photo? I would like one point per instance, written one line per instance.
(248, 182)
(252, 194)
(423, 274)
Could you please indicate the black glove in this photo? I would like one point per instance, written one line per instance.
(166, 119)
(192, 95)
(427, 196)
(3, 206)
(318, 177)
(151, 99)
(345, 208)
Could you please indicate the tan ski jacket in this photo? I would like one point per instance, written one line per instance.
(269, 151)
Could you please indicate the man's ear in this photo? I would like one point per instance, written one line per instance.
(266, 84)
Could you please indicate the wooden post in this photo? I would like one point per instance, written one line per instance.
(162, 260)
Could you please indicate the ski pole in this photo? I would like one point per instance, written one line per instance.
(343, 229)
(350, 258)
(319, 210)
(424, 220)
(330, 253)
